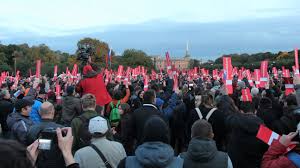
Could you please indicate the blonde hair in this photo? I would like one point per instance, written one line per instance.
(88, 101)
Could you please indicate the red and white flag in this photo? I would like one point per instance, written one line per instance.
(263, 73)
(227, 74)
(120, 72)
(275, 72)
(268, 136)
(246, 95)
(168, 63)
(146, 83)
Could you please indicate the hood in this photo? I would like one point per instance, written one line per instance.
(154, 154)
(201, 150)
(88, 71)
(12, 118)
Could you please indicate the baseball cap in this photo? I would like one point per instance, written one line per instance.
(21, 103)
(98, 125)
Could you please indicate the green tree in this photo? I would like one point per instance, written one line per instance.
(194, 63)
(133, 58)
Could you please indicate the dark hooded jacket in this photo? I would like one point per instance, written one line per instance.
(19, 126)
(71, 108)
(6, 107)
(244, 149)
(203, 153)
(152, 154)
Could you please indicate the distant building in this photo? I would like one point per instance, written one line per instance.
(179, 63)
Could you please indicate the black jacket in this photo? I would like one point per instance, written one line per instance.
(217, 120)
(71, 108)
(139, 118)
(244, 149)
(6, 107)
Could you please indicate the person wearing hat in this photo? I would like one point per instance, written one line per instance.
(102, 152)
(155, 150)
(18, 122)
(71, 106)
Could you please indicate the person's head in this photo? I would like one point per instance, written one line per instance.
(226, 104)
(47, 110)
(241, 85)
(149, 97)
(155, 87)
(207, 99)
(98, 127)
(141, 94)
(70, 90)
(247, 107)
(14, 155)
(124, 108)
(42, 94)
(291, 100)
(254, 91)
(202, 129)
(23, 106)
(88, 102)
(4, 94)
(117, 94)
(265, 103)
(156, 129)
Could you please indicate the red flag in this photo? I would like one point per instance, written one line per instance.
(175, 86)
(57, 93)
(275, 72)
(268, 136)
(286, 73)
(168, 62)
(289, 86)
(248, 75)
(283, 70)
(296, 62)
(227, 75)
(38, 68)
(264, 73)
(256, 75)
(120, 72)
(146, 86)
(75, 70)
(246, 95)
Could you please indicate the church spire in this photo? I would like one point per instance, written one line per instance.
(187, 54)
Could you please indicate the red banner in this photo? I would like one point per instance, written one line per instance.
(38, 69)
(227, 75)
(168, 63)
(146, 86)
(120, 72)
(246, 95)
(275, 72)
(263, 73)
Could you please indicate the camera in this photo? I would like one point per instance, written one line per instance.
(48, 138)
(84, 51)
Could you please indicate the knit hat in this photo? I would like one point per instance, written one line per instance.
(156, 130)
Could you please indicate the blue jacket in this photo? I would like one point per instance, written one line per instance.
(168, 111)
(34, 114)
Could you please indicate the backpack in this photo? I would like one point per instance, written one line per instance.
(114, 116)
(208, 114)
(83, 132)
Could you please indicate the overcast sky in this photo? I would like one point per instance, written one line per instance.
(56, 17)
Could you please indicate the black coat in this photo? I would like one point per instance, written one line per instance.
(139, 118)
(244, 149)
(217, 120)
(6, 107)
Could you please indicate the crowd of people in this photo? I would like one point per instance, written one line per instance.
(125, 124)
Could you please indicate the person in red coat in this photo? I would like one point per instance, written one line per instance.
(93, 83)
(275, 156)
